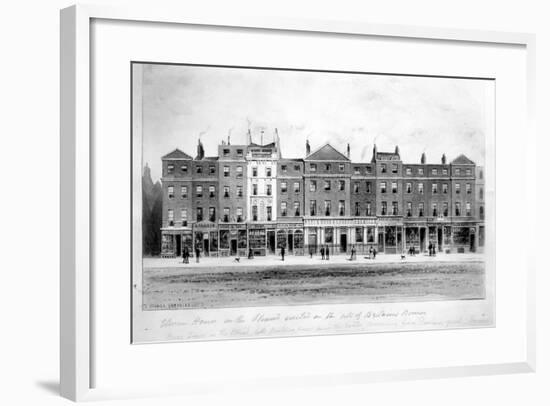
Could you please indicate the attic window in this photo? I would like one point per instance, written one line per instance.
(184, 168)
(226, 152)
(170, 168)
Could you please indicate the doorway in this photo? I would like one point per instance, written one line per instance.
(233, 250)
(178, 245)
(440, 239)
(422, 239)
(343, 242)
(206, 246)
(271, 241)
(290, 242)
(472, 242)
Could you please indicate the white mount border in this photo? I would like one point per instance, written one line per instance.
(76, 352)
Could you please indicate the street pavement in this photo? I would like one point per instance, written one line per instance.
(243, 262)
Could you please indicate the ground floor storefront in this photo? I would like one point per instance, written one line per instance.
(337, 235)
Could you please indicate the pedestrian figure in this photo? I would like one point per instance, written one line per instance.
(310, 252)
(370, 252)
(430, 249)
(283, 253)
(322, 253)
(183, 255)
(197, 252)
(250, 253)
(327, 253)
(374, 253)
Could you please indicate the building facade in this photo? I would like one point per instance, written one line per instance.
(249, 200)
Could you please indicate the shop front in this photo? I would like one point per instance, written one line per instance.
(233, 239)
(339, 235)
(174, 240)
(291, 237)
(205, 238)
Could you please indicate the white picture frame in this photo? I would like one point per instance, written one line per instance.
(77, 281)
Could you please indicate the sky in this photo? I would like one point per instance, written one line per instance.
(420, 114)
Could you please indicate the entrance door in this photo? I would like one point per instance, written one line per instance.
(233, 247)
(312, 242)
(178, 245)
(440, 239)
(472, 242)
(381, 241)
(422, 239)
(271, 241)
(290, 243)
(206, 247)
(343, 242)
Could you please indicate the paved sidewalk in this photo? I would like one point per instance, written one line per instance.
(212, 262)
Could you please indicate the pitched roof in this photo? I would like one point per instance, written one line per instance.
(327, 153)
(462, 160)
(177, 154)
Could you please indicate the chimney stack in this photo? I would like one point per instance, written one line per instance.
(348, 151)
(308, 148)
(397, 149)
(423, 158)
(443, 159)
